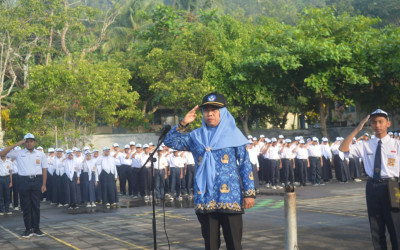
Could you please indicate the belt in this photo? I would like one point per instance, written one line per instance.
(30, 176)
(383, 180)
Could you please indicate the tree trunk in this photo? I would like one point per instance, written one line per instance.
(245, 119)
(1, 129)
(176, 118)
(323, 113)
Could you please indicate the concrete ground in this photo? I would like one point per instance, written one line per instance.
(329, 217)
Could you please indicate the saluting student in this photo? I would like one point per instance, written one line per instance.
(125, 168)
(145, 174)
(129, 176)
(136, 157)
(302, 162)
(253, 155)
(287, 159)
(381, 161)
(5, 185)
(160, 174)
(108, 177)
(14, 193)
(315, 158)
(32, 176)
(275, 163)
(176, 164)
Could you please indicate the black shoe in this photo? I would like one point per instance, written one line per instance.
(27, 234)
(38, 233)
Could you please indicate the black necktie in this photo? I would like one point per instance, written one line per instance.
(378, 161)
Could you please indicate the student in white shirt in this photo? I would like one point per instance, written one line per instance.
(71, 180)
(190, 172)
(302, 162)
(129, 175)
(145, 174)
(253, 155)
(381, 161)
(88, 179)
(326, 159)
(108, 177)
(125, 167)
(275, 163)
(136, 157)
(50, 177)
(160, 175)
(14, 194)
(177, 164)
(58, 182)
(5, 185)
(315, 157)
(287, 159)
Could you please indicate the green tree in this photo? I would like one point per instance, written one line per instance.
(330, 48)
(71, 98)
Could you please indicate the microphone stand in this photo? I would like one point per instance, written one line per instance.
(152, 160)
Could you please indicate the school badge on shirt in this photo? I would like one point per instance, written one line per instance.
(391, 162)
(38, 161)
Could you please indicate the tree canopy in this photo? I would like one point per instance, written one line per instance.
(69, 66)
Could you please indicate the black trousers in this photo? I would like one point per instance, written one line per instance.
(301, 166)
(190, 173)
(267, 171)
(129, 177)
(123, 177)
(275, 171)
(135, 181)
(232, 227)
(146, 176)
(14, 189)
(4, 193)
(315, 165)
(287, 170)
(30, 194)
(381, 216)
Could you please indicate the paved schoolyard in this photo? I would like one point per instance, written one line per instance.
(329, 217)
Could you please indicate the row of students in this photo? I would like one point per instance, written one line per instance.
(280, 162)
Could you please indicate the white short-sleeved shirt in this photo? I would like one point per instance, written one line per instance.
(273, 153)
(29, 163)
(116, 159)
(123, 160)
(390, 156)
(106, 164)
(143, 159)
(287, 153)
(161, 162)
(253, 155)
(5, 167)
(177, 162)
(302, 153)
(189, 158)
(314, 151)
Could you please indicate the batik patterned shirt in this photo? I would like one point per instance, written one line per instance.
(234, 178)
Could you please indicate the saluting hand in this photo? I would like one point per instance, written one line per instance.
(362, 123)
(190, 116)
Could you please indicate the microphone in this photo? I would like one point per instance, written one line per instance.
(164, 132)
